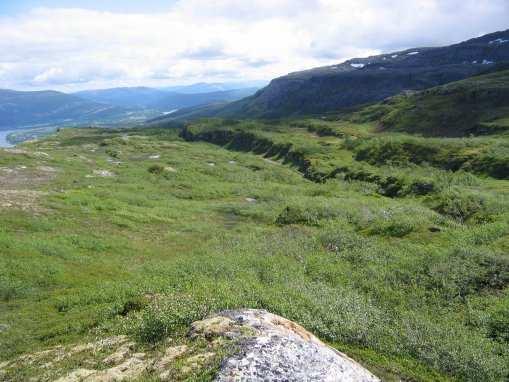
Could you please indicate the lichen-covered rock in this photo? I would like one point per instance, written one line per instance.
(169, 356)
(275, 349)
(129, 369)
(76, 376)
(120, 354)
(196, 362)
(244, 345)
(213, 327)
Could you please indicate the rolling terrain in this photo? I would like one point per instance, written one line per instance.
(383, 229)
(389, 244)
(476, 106)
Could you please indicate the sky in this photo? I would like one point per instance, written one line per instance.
(89, 44)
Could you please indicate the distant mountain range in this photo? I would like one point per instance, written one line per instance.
(316, 91)
(44, 107)
(108, 106)
(133, 97)
(365, 80)
(166, 99)
(205, 87)
(172, 101)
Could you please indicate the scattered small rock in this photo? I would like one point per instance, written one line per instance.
(157, 156)
(103, 173)
(76, 376)
(331, 247)
(99, 345)
(128, 370)
(119, 355)
(169, 356)
(16, 151)
(7, 170)
(40, 154)
(251, 200)
(114, 161)
(46, 169)
(211, 164)
(170, 169)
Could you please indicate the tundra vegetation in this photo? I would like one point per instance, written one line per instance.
(390, 247)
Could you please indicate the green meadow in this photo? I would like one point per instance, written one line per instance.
(390, 247)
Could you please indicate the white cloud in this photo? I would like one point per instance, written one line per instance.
(214, 40)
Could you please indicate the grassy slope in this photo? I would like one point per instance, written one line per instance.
(413, 286)
(477, 106)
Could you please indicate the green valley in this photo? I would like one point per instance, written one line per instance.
(345, 223)
(390, 247)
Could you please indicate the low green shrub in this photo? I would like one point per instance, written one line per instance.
(297, 215)
(166, 316)
(156, 169)
(458, 204)
(466, 272)
(498, 323)
(393, 228)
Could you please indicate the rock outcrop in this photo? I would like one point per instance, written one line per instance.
(241, 345)
(273, 348)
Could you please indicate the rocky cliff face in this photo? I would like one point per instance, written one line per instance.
(365, 80)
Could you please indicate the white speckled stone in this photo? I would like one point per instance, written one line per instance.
(280, 350)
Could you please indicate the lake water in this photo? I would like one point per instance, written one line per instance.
(3, 138)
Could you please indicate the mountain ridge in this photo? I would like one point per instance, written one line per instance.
(21, 108)
(111, 106)
(365, 80)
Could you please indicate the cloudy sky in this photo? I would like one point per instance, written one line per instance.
(71, 45)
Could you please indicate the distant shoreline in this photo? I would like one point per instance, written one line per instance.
(4, 141)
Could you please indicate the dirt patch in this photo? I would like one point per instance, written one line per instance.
(21, 177)
(16, 151)
(24, 200)
(17, 186)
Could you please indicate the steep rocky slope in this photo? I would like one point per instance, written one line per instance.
(364, 80)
